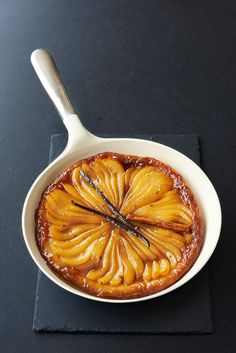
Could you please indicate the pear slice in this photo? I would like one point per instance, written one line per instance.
(168, 212)
(148, 185)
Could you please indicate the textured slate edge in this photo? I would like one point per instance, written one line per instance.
(55, 150)
(207, 327)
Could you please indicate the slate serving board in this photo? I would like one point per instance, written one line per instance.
(187, 310)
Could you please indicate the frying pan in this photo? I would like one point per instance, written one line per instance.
(82, 144)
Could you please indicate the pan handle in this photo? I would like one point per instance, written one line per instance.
(47, 72)
(45, 67)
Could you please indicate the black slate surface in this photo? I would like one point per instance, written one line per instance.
(185, 311)
(152, 66)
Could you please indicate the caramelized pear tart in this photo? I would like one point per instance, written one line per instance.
(119, 226)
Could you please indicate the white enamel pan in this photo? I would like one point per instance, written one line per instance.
(82, 144)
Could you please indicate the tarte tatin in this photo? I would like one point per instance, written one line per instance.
(119, 226)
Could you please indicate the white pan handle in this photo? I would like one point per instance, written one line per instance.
(47, 72)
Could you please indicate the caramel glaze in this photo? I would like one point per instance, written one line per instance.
(70, 274)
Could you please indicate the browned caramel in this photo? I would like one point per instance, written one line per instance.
(97, 257)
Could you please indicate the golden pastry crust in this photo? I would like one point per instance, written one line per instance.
(99, 258)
